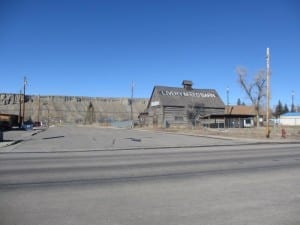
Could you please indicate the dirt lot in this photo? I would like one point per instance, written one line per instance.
(291, 133)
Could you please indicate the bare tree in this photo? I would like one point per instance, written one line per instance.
(255, 89)
(90, 114)
(194, 111)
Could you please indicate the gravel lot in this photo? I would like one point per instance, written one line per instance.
(141, 137)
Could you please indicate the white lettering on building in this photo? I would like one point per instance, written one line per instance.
(188, 94)
(155, 103)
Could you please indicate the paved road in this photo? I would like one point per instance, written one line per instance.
(207, 185)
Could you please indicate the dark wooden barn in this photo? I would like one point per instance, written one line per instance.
(182, 107)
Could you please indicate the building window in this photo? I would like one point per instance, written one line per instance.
(178, 118)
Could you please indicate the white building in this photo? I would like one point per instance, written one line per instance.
(290, 119)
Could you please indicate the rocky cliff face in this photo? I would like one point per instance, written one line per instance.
(72, 109)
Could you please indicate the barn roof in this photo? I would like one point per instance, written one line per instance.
(173, 96)
(240, 110)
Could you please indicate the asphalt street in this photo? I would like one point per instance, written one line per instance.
(75, 176)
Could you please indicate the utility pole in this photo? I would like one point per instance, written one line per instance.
(268, 92)
(39, 109)
(293, 106)
(25, 83)
(20, 110)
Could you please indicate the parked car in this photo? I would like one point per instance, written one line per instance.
(28, 125)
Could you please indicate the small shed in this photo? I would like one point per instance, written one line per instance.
(290, 119)
(240, 116)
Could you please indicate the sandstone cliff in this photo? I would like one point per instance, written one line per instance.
(72, 109)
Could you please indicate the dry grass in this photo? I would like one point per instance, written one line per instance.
(292, 133)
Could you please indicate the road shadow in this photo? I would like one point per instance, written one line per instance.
(54, 137)
(135, 139)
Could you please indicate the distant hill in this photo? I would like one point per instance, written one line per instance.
(73, 109)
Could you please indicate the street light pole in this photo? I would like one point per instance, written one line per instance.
(227, 110)
(227, 94)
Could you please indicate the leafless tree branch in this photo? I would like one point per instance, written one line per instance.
(255, 90)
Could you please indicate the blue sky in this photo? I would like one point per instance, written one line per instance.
(97, 48)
